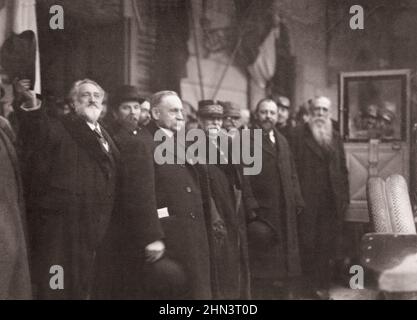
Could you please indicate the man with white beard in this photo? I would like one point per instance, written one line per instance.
(321, 165)
(71, 167)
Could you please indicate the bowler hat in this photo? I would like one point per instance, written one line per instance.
(125, 93)
(165, 279)
(209, 108)
(18, 56)
(261, 234)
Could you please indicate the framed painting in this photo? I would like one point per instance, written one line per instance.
(373, 105)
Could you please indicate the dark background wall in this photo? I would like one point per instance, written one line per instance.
(89, 46)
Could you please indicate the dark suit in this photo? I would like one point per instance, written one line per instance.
(277, 192)
(324, 183)
(231, 203)
(178, 189)
(71, 191)
(136, 223)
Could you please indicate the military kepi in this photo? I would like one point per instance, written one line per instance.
(209, 108)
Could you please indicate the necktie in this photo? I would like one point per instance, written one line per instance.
(104, 144)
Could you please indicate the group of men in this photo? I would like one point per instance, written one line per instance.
(120, 225)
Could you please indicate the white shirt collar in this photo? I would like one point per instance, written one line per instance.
(94, 126)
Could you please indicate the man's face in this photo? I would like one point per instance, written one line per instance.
(169, 114)
(88, 103)
(321, 113)
(231, 122)
(267, 115)
(245, 117)
(129, 111)
(211, 125)
(145, 115)
(283, 115)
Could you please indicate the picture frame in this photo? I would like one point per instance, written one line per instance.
(373, 105)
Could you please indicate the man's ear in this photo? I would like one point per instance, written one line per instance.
(155, 113)
(114, 114)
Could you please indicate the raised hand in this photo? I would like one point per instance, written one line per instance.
(22, 92)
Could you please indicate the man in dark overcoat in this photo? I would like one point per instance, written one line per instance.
(71, 190)
(136, 229)
(321, 165)
(179, 197)
(230, 203)
(278, 194)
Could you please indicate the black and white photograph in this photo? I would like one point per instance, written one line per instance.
(207, 156)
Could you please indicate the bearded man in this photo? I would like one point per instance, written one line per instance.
(145, 115)
(71, 190)
(321, 165)
(274, 262)
(136, 230)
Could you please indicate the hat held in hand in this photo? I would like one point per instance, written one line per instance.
(165, 279)
(18, 56)
(261, 234)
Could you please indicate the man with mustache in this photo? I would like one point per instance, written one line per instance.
(72, 170)
(275, 261)
(231, 118)
(145, 115)
(283, 122)
(137, 231)
(230, 202)
(179, 196)
(321, 165)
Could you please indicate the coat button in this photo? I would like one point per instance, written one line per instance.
(192, 215)
(188, 189)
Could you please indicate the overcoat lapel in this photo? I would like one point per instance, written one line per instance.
(86, 138)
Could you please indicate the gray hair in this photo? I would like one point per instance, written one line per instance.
(76, 87)
(320, 101)
(156, 99)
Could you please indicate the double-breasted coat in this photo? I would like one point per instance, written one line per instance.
(277, 191)
(178, 190)
(71, 187)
